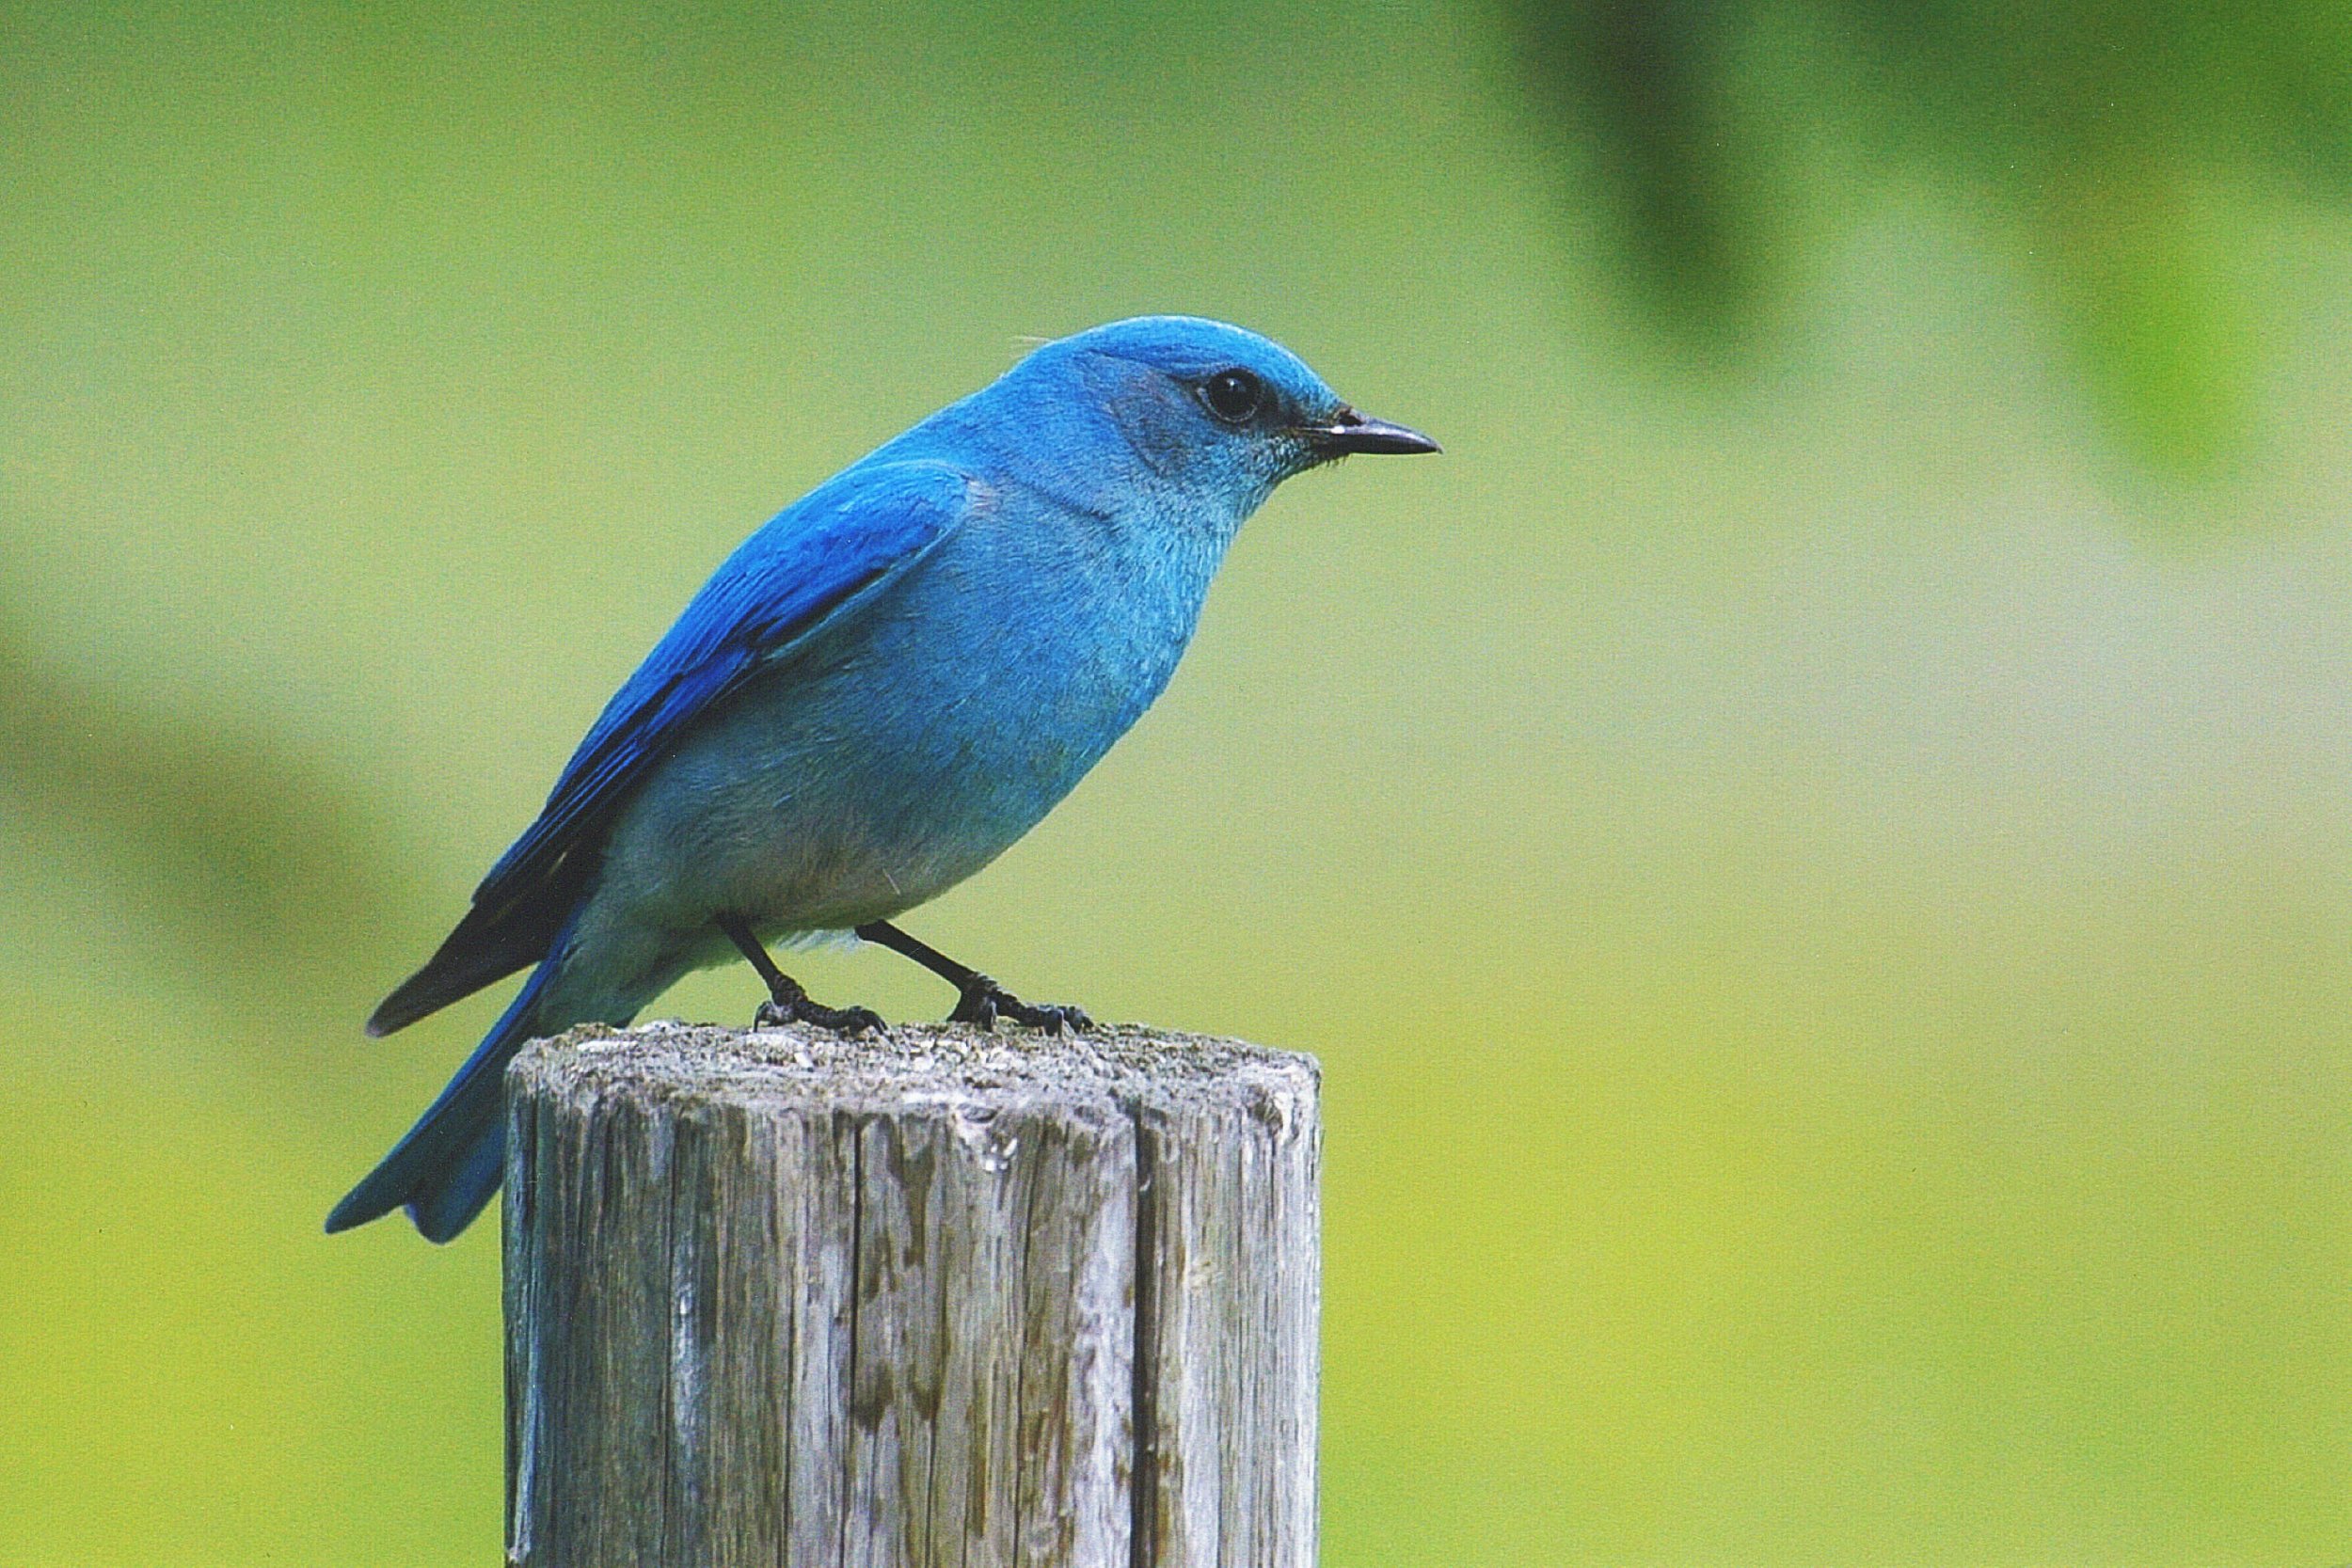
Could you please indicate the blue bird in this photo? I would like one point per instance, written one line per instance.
(871, 699)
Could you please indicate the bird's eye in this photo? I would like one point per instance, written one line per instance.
(1232, 395)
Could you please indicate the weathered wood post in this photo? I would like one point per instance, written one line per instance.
(947, 1297)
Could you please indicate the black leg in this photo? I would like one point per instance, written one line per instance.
(787, 1001)
(978, 999)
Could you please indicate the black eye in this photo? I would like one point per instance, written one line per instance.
(1232, 395)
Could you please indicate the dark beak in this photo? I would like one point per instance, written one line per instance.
(1351, 431)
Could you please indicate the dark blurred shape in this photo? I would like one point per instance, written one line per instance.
(2110, 140)
(262, 871)
(1641, 84)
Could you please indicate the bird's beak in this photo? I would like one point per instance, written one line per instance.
(1352, 432)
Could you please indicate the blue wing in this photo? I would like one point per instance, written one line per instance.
(818, 560)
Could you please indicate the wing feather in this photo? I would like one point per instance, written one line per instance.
(817, 563)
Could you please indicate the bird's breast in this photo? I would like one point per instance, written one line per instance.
(1026, 651)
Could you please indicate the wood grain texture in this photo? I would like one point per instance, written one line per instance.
(947, 1297)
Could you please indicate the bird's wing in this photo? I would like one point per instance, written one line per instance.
(821, 558)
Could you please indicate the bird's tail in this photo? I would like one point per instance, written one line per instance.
(452, 1159)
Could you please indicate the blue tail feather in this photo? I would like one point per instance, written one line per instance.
(452, 1159)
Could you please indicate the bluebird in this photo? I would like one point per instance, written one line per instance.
(872, 698)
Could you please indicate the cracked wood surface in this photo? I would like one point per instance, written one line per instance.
(947, 1297)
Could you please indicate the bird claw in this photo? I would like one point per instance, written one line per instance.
(801, 1010)
(984, 1002)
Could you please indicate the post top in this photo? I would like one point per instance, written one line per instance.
(914, 1065)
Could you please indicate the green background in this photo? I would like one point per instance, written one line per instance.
(1811, 844)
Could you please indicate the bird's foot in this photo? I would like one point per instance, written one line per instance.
(796, 1006)
(983, 1002)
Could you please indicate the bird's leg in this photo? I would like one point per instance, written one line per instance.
(788, 1001)
(979, 1000)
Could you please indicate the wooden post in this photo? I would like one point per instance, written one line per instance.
(947, 1297)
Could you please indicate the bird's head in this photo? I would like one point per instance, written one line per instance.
(1202, 407)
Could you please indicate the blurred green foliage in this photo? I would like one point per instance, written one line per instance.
(256, 864)
(1821, 897)
(2094, 134)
